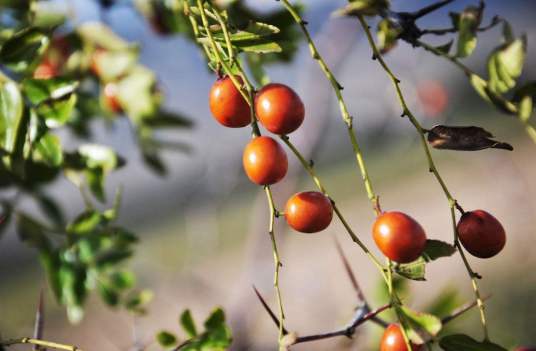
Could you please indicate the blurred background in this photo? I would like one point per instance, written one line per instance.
(203, 227)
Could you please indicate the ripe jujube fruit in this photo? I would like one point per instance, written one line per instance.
(279, 108)
(393, 340)
(398, 236)
(45, 70)
(481, 234)
(309, 212)
(265, 161)
(227, 104)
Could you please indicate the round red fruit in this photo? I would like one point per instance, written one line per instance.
(279, 109)
(227, 104)
(398, 236)
(265, 161)
(309, 212)
(481, 234)
(393, 340)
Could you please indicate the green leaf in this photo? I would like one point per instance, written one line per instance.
(445, 303)
(85, 223)
(363, 7)
(33, 233)
(461, 342)
(436, 249)
(259, 47)
(467, 25)
(112, 257)
(166, 339)
(112, 65)
(100, 35)
(137, 301)
(95, 179)
(136, 94)
(167, 119)
(387, 34)
(24, 49)
(109, 295)
(524, 98)
(44, 14)
(40, 90)
(218, 334)
(50, 208)
(422, 326)
(11, 114)
(506, 64)
(99, 156)
(122, 280)
(188, 324)
(482, 88)
(48, 150)
(253, 31)
(414, 270)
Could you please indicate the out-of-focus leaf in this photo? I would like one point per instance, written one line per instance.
(44, 14)
(109, 295)
(445, 303)
(85, 223)
(99, 156)
(387, 34)
(40, 90)
(524, 98)
(95, 180)
(112, 65)
(166, 339)
(422, 326)
(137, 301)
(101, 36)
(363, 7)
(463, 139)
(482, 88)
(167, 119)
(461, 342)
(467, 24)
(33, 232)
(11, 114)
(24, 49)
(73, 291)
(48, 150)
(50, 208)
(414, 270)
(188, 324)
(505, 65)
(122, 280)
(136, 94)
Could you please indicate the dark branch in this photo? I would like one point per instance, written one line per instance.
(360, 318)
(458, 312)
(494, 21)
(431, 8)
(268, 309)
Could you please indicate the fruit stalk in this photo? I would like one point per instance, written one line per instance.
(453, 205)
(249, 97)
(337, 88)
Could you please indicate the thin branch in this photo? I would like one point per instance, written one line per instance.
(39, 323)
(459, 311)
(269, 310)
(494, 21)
(451, 200)
(32, 341)
(348, 331)
(431, 8)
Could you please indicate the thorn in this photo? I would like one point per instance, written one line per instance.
(268, 309)
(39, 323)
(349, 271)
(311, 163)
(374, 57)
(316, 56)
(397, 81)
(304, 22)
(339, 86)
(430, 170)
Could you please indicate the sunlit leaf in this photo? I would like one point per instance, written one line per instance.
(11, 114)
(48, 150)
(414, 270)
(24, 49)
(467, 24)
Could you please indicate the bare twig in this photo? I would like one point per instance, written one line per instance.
(32, 341)
(360, 317)
(269, 310)
(494, 21)
(461, 310)
(39, 323)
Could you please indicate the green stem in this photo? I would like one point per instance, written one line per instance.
(451, 200)
(337, 88)
(277, 261)
(310, 169)
(37, 342)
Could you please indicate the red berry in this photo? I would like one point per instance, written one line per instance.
(393, 340)
(45, 70)
(309, 212)
(399, 237)
(227, 104)
(481, 234)
(279, 109)
(265, 161)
